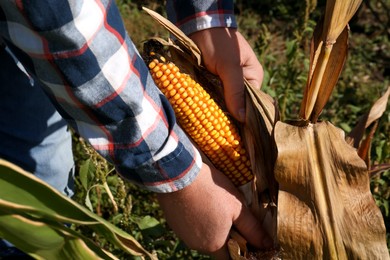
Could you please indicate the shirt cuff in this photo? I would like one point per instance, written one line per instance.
(171, 173)
(195, 15)
(207, 21)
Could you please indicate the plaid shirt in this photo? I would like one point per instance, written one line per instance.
(97, 80)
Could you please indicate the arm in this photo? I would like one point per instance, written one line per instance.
(212, 26)
(101, 86)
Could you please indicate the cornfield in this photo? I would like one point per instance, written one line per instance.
(306, 179)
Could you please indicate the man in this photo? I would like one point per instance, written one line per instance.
(87, 65)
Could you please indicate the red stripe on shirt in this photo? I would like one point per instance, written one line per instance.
(49, 57)
(120, 89)
(169, 180)
(153, 126)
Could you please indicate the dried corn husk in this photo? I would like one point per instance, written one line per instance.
(355, 137)
(325, 209)
(376, 111)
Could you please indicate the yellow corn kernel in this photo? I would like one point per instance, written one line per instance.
(203, 120)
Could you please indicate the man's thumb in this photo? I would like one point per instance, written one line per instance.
(251, 229)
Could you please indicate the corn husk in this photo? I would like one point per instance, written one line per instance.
(325, 209)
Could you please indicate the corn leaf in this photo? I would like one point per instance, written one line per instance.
(365, 146)
(325, 207)
(27, 198)
(320, 83)
(261, 116)
(376, 169)
(328, 54)
(337, 15)
(376, 111)
(46, 241)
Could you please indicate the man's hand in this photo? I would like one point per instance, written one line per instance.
(227, 54)
(203, 213)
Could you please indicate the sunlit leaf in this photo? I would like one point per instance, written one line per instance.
(48, 241)
(326, 64)
(337, 16)
(85, 169)
(151, 226)
(376, 111)
(28, 197)
(328, 54)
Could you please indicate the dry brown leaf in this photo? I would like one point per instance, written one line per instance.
(376, 111)
(322, 79)
(325, 207)
(188, 44)
(377, 169)
(332, 73)
(337, 16)
(365, 147)
(261, 116)
(328, 54)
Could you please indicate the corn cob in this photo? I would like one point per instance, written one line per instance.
(203, 120)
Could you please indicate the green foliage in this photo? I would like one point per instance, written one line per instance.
(380, 186)
(36, 218)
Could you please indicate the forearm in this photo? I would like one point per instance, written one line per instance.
(101, 86)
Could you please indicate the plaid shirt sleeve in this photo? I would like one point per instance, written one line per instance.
(96, 78)
(195, 15)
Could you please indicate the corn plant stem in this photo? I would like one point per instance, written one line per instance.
(317, 80)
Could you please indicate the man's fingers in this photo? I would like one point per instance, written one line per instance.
(252, 69)
(232, 73)
(221, 254)
(252, 75)
(233, 84)
(251, 229)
